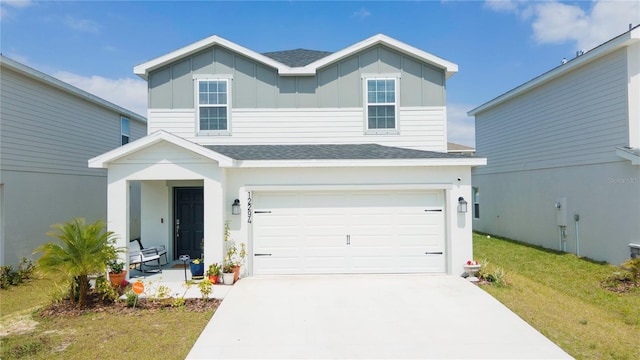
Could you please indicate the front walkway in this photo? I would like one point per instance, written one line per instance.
(174, 280)
(367, 317)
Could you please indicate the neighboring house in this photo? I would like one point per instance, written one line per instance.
(453, 148)
(48, 131)
(337, 162)
(563, 155)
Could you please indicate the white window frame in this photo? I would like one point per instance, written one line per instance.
(124, 133)
(200, 78)
(365, 100)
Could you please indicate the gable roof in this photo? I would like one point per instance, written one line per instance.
(310, 69)
(68, 88)
(325, 152)
(623, 40)
(297, 57)
(459, 147)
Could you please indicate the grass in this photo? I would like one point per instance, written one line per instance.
(169, 334)
(560, 295)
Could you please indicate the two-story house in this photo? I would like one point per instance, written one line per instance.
(563, 155)
(322, 162)
(48, 131)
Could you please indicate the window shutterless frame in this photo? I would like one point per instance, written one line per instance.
(125, 130)
(381, 103)
(212, 99)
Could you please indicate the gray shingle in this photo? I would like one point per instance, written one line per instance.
(297, 57)
(325, 152)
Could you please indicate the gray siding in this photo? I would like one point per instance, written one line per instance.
(44, 129)
(257, 86)
(576, 119)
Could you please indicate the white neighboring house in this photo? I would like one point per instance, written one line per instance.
(563, 155)
(48, 131)
(337, 162)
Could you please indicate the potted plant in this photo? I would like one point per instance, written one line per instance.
(471, 267)
(213, 272)
(197, 269)
(228, 274)
(233, 257)
(117, 273)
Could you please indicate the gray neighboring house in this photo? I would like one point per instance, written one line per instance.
(48, 131)
(563, 155)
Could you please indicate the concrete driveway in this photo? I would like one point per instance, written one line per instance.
(367, 317)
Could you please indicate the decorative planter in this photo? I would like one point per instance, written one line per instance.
(117, 279)
(471, 270)
(236, 273)
(213, 279)
(228, 278)
(197, 270)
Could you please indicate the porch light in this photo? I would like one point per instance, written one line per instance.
(235, 208)
(462, 205)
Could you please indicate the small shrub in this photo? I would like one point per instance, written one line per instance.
(206, 288)
(178, 302)
(107, 292)
(633, 265)
(10, 277)
(498, 277)
(131, 299)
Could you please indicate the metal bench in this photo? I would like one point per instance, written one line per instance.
(139, 256)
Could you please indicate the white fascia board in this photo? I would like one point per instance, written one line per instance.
(604, 49)
(102, 161)
(349, 187)
(633, 156)
(359, 163)
(68, 88)
(143, 69)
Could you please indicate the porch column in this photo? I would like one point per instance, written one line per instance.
(118, 210)
(213, 220)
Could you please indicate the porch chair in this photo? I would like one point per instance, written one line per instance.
(138, 257)
(161, 249)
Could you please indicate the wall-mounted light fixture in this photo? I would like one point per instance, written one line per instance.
(462, 205)
(235, 208)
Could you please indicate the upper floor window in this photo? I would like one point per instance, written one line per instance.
(213, 105)
(125, 131)
(381, 104)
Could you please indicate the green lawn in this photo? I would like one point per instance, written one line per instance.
(560, 295)
(144, 334)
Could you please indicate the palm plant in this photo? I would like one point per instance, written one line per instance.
(83, 249)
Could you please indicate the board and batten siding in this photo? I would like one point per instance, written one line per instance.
(422, 128)
(255, 85)
(576, 119)
(47, 130)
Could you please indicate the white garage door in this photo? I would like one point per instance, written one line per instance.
(348, 232)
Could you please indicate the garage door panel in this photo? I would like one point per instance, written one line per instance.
(349, 232)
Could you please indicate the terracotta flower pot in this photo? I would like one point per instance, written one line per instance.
(236, 273)
(213, 278)
(117, 279)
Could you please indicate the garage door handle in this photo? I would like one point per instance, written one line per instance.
(262, 212)
(261, 254)
(434, 210)
(433, 253)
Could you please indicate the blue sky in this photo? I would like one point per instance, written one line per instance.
(496, 44)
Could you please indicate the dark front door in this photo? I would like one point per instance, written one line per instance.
(189, 221)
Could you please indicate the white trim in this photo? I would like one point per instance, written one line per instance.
(628, 155)
(610, 46)
(103, 161)
(347, 187)
(42, 77)
(360, 163)
(144, 69)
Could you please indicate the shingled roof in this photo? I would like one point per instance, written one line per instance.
(325, 152)
(297, 57)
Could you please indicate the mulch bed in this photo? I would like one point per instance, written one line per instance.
(620, 286)
(96, 305)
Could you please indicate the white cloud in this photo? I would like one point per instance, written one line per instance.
(83, 25)
(16, 4)
(129, 93)
(361, 14)
(554, 22)
(461, 129)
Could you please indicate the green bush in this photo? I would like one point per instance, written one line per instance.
(10, 277)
